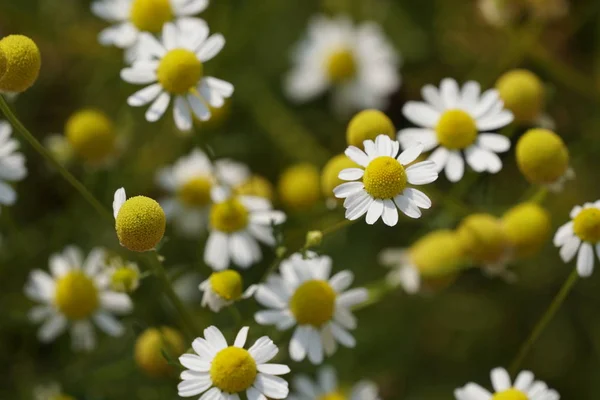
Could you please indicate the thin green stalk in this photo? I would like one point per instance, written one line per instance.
(543, 322)
(12, 118)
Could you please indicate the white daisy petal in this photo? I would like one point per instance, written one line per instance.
(182, 114)
(500, 379)
(214, 336)
(158, 107)
(455, 167)
(273, 369)
(585, 260)
(497, 121)
(211, 47)
(357, 155)
(524, 380)
(138, 76)
(241, 337)
(410, 136)
(494, 142)
(145, 96)
(375, 211)
(421, 114)
(271, 386)
(431, 95)
(422, 173)
(351, 174)
(563, 234)
(359, 209)
(348, 188)
(390, 213)
(569, 249)
(407, 206)
(440, 158)
(410, 154)
(418, 197)
(449, 92)
(299, 343)
(195, 363)
(352, 297)
(475, 392)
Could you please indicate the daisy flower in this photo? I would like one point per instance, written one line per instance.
(326, 387)
(12, 165)
(236, 225)
(175, 69)
(223, 372)
(74, 294)
(132, 17)
(304, 295)
(382, 181)
(451, 119)
(580, 236)
(358, 62)
(122, 275)
(524, 388)
(223, 288)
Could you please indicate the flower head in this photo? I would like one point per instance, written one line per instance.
(304, 295)
(523, 94)
(12, 165)
(383, 179)
(123, 275)
(175, 69)
(580, 236)
(222, 371)
(91, 135)
(326, 387)
(367, 125)
(527, 228)
(299, 186)
(75, 294)
(149, 348)
(140, 221)
(223, 288)
(451, 119)
(22, 63)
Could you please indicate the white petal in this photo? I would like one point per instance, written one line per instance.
(524, 380)
(410, 136)
(473, 391)
(342, 336)
(214, 336)
(500, 379)
(390, 213)
(195, 363)
(198, 107)
(496, 121)
(144, 96)
(407, 206)
(422, 173)
(494, 142)
(119, 199)
(193, 387)
(254, 394)
(359, 209)
(351, 174)
(315, 347)
(216, 254)
(158, 107)
(440, 158)
(341, 281)
(224, 88)
(182, 114)
(352, 297)
(357, 155)
(240, 339)
(192, 7)
(203, 348)
(170, 36)
(271, 386)
(263, 350)
(569, 249)
(563, 234)
(455, 167)
(431, 95)
(375, 211)
(211, 47)
(109, 324)
(299, 343)
(52, 328)
(410, 154)
(487, 101)
(327, 379)
(470, 94)
(585, 260)
(212, 394)
(418, 197)
(346, 189)
(118, 303)
(421, 114)
(138, 76)
(273, 369)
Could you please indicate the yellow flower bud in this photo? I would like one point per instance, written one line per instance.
(483, 239)
(437, 254)
(313, 239)
(369, 124)
(523, 93)
(256, 186)
(92, 135)
(22, 63)
(299, 187)
(542, 156)
(527, 227)
(330, 172)
(140, 224)
(148, 354)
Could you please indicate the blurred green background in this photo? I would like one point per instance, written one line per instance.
(414, 347)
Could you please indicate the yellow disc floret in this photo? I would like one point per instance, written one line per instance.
(384, 178)
(527, 227)
(523, 94)
(437, 254)
(256, 185)
(229, 216)
(482, 237)
(367, 125)
(332, 396)
(149, 347)
(124, 279)
(140, 224)
(227, 284)
(22, 63)
(233, 370)
(456, 130)
(150, 15)
(313, 303)
(179, 71)
(195, 192)
(3, 63)
(341, 66)
(92, 136)
(510, 394)
(76, 295)
(586, 225)
(330, 172)
(542, 156)
(299, 187)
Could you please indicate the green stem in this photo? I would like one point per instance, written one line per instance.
(48, 156)
(543, 322)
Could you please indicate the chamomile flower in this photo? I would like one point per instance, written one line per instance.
(224, 372)
(12, 165)
(223, 288)
(523, 388)
(92, 136)
(382, 180)
(74, 294)
(527, 227)
(580, 236)
(123, 275)
(132, 17)
(450, 122)
(523, 93)
(174, 69)
(304, 295)
(326, 388)
(236, 225)
(149, 347)
(357, 62)
(20, 63)
(299, 187)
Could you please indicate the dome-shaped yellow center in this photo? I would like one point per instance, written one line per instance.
(542, 156)
(150, 15)
(92, 135)
(510, 394)
(330, 172)
(229, 216)
(367, 125)
(150, 345)
(332, 396)
(527, 227)
(456, 130)
(313, 303)
(22, 63)
(437, 254)
(299, 186)
(227, 284)
(233, 370)
(483, 238)
(3, 63)
(384, 178)
(140, 224)
(76, 296)
(195, 192)
(523, 94)
(587, 225)
(124, 279)
(341, 66)
(179, 71)
(256, 186)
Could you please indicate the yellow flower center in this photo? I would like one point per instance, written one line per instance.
(523, 93)
(76, 295)
(587, 225)
(313, 303)
(510, 394)
(62, 397)
(179, 71)
(384, 178)
(483, 238)
(124, 279)
(149, 347)
(229, 216)
(22, 63)
(527, 227)
(227, 284)
(438, 254)
(542, 156)
(456, 129)
(140, 224)
(256, 186)
(341, 66)
(92, 135)
(150, 15)
(368, 124)
(299, 186)
(233, 370)
(332, 396)
(195, 192)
